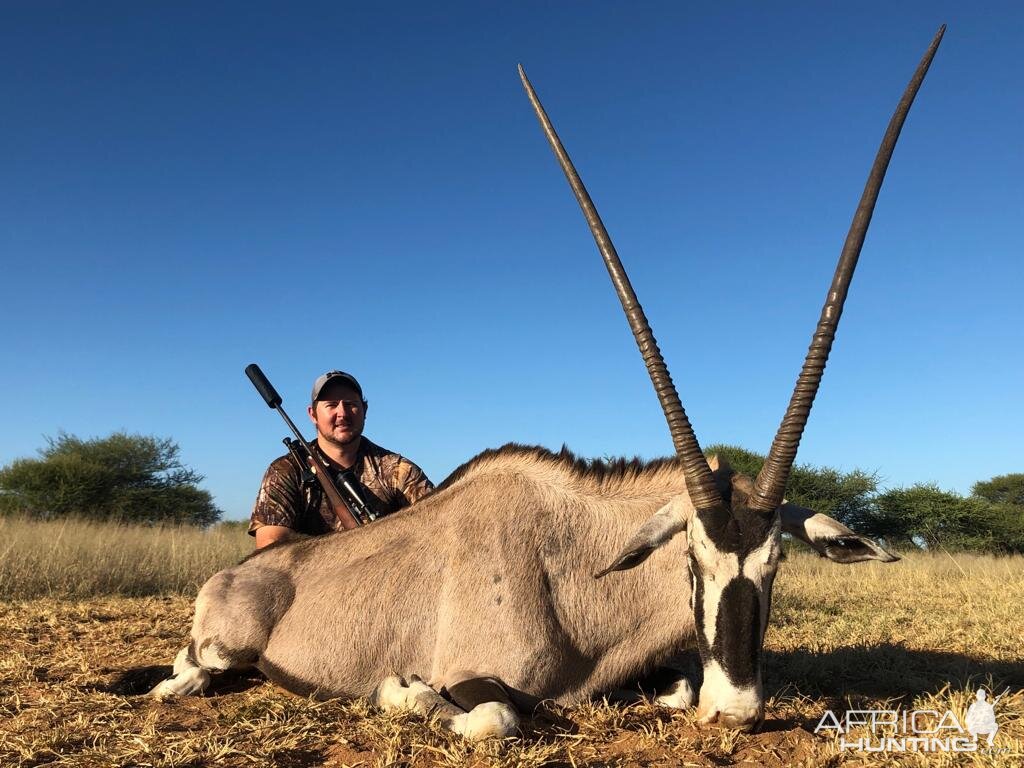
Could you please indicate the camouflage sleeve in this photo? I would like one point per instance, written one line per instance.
(413, 483)
(280, 498)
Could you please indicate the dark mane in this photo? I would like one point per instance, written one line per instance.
(599, 470)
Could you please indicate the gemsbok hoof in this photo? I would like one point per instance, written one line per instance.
(679, 696)
(491, 720)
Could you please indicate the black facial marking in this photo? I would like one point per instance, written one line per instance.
(737, 646)
(769, 582)
(734, 529)
(737, 531)
(698, 607)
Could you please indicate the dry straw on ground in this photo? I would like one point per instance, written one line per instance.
(922, 633)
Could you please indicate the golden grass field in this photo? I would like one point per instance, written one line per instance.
(92, 614)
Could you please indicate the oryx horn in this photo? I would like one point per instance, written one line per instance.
(771, 480)
(700, 484)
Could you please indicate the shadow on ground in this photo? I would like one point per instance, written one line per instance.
(140, 681)
(885, 671)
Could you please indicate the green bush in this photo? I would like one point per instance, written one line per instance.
(935, 518)
(1002, 489)
(846, 496)
(129, 478)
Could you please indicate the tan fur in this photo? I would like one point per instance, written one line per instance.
(491, 573)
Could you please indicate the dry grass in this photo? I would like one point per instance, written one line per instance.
(922, 633)
(78, 558)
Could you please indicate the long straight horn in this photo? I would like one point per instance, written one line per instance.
(700, 484)
(771, 481)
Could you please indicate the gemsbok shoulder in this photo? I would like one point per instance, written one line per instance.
(530, 575)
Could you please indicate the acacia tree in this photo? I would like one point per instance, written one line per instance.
(935, 518)
(1002, 489)
(132, 478)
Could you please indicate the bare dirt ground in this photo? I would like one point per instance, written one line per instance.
(917, 635)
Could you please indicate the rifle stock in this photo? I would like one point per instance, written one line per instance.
(339, 505)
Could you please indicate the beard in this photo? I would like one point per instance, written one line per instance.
(341, 443)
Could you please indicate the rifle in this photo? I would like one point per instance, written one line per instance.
(347, 477)
(351, 512)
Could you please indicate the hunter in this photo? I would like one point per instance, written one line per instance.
(286, 505)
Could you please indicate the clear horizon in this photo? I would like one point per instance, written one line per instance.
(189, 189)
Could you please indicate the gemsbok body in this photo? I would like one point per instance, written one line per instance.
(529, 575)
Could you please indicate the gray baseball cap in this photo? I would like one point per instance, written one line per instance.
(323, 380)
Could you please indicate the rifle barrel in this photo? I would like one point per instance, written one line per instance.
(263, 385)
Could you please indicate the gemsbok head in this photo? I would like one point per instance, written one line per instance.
(734, 523)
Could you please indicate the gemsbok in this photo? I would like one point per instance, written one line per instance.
(503, 587)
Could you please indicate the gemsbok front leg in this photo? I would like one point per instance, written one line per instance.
(189, 679)
(667, 686)
(482, 708)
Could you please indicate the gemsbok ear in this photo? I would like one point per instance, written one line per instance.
(829, 537)
(657, 531)
(716, 463)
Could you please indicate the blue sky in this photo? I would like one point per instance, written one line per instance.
(191, 187)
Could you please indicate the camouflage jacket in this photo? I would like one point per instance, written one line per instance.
(389, 481)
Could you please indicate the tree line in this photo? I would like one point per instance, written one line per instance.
(990, 519)
(141, 479)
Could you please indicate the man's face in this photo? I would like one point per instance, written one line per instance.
(339, 414)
